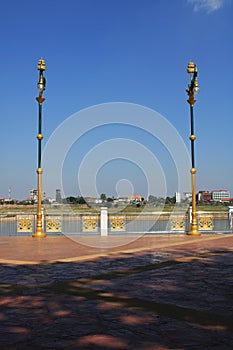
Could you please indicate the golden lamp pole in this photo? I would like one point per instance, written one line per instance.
(192, 90)
(40, 99)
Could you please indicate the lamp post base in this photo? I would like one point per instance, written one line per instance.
(194, 231)
(39, 223)
(39, 235)
(39, 231)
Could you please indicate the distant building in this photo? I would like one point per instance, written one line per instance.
(33, 195)
(58, 196)
(226, 200)
(188, 196)
(49, 200)
(218, 195)
(122, 200)
(204, 196)
(98, 201)
(178, 197)
(135, 199)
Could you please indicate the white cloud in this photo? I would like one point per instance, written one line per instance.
(206, 5)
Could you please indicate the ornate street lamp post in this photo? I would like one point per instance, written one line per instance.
(192, 90)
(40, 99)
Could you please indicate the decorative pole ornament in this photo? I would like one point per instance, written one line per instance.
(192, 90)
(40, 99)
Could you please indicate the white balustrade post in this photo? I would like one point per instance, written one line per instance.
(230, 216)
(104, 221)
(189, 216)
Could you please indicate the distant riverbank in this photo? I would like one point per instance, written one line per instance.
(77, 208)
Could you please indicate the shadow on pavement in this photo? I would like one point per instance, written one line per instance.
(129, 302)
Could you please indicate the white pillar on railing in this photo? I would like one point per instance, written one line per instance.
(190, 214)
(104, 221)
(189, 217)
(230, 216)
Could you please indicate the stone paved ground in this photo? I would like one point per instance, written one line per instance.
(155, 293)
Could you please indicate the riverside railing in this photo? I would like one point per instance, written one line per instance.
(108, 223)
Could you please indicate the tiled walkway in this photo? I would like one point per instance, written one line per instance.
(157, 292)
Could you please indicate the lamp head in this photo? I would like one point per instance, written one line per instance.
(41, 65)
(193, 86)
(191, 67)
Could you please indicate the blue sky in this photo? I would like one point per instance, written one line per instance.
(101, 51)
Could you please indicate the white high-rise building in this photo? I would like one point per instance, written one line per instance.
(178, 197)
(34, 195)
(218, 195)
